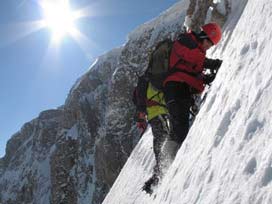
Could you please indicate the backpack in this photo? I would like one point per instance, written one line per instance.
(156, 73)
(158, 67)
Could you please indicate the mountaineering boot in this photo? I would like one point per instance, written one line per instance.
(150, 183)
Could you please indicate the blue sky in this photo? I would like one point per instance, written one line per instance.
(37, 76)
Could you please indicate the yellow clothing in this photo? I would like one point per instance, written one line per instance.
(155, 110)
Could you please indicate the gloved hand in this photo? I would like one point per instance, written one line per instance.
(141, 121)
(213, 64)
(208, 79)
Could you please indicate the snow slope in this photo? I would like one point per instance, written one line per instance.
(227, 156)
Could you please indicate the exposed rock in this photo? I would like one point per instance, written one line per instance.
(198, 12)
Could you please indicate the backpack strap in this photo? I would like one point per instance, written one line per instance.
(175, 70)
(181, 60)
(150, 102)
(186, 40)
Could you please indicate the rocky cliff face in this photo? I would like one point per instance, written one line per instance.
(73, 154)
(52, 158)
(200, 12)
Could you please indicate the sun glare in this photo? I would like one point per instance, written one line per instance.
(59, 18)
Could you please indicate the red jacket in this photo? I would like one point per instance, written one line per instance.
(186, 61)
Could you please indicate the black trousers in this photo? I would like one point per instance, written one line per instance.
(178, 100)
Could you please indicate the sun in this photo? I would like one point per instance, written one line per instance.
(59, 18)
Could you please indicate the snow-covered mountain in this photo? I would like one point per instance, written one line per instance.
(73, 154)
(227, 156)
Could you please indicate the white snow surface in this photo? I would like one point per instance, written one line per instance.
(227, 155)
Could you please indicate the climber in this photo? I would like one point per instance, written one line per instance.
(186, 77)
(151, 108)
